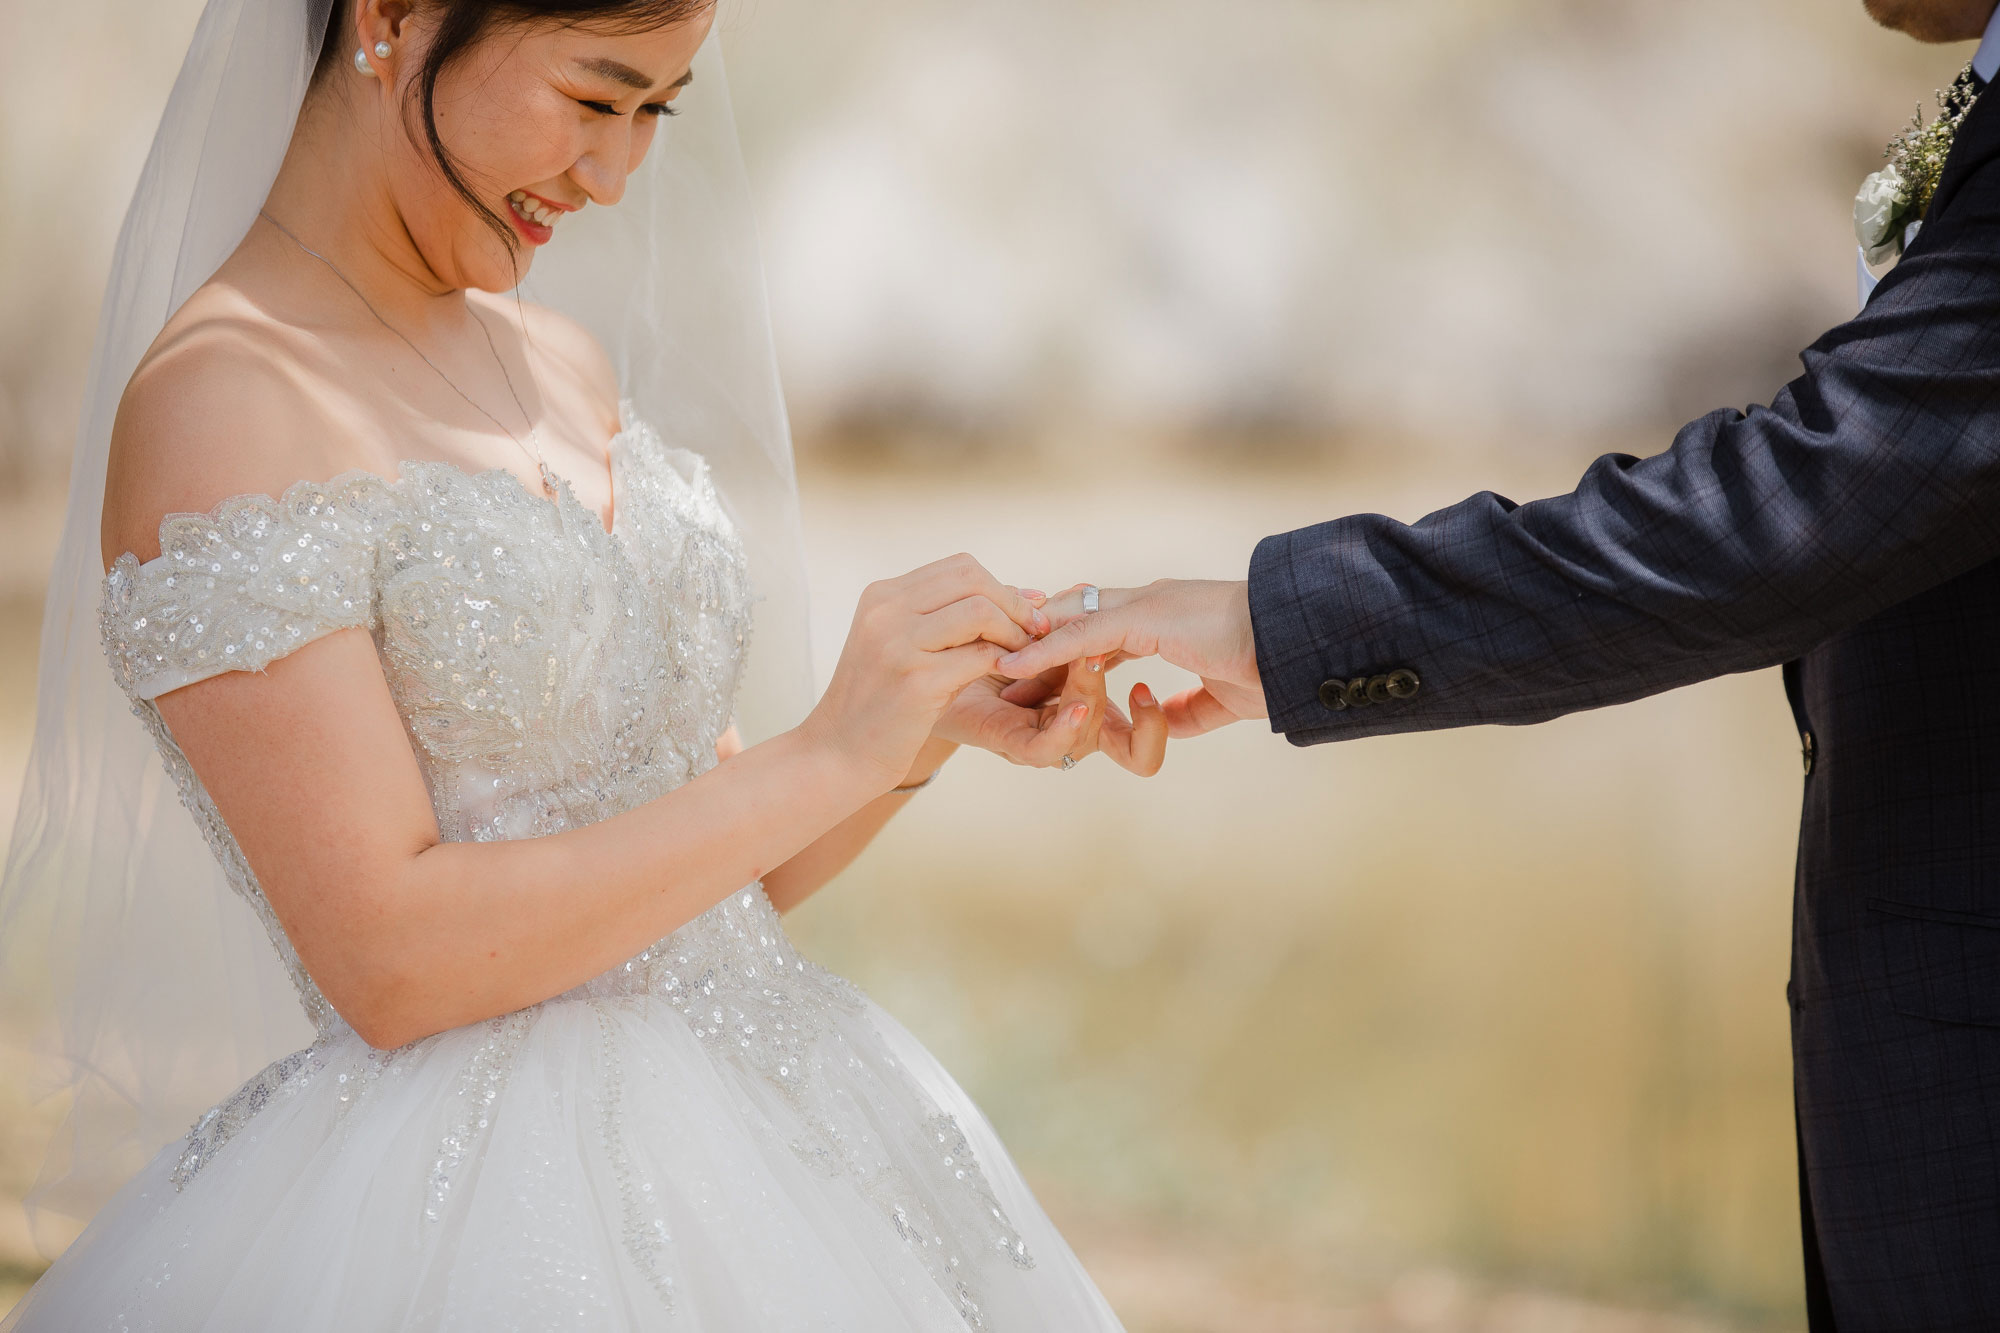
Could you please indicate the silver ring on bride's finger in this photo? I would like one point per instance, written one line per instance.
(1090, 599)
(1068, 762)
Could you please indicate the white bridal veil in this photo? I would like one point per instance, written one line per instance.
(122, 950)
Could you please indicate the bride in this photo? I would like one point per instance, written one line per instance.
(438, 607)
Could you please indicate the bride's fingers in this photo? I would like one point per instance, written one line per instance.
(966, 620)
(939, 585)
(952, 669)
(1042, 741)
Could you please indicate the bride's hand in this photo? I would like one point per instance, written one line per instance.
(1037, 733)
(916, 643)
(1065, 711)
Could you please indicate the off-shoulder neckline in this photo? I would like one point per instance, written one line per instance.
(614, 454)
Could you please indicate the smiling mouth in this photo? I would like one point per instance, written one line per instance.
(532, 211)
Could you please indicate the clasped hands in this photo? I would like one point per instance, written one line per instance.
(947, 655)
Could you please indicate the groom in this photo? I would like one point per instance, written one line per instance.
(1850, 531)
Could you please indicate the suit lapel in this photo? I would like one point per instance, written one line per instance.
(1977, 143)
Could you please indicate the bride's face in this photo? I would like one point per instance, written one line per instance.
(538, 123)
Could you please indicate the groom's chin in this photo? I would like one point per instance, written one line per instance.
(1933, 20)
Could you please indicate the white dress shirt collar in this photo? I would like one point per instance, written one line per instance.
(1986, 60)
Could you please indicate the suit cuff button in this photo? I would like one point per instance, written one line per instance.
(1402, 683)
(1333, 695)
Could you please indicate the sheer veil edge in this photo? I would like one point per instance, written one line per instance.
(132, 980)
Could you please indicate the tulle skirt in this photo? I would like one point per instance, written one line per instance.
(593, 1163)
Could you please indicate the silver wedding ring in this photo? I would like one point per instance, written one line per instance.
(1068, 762)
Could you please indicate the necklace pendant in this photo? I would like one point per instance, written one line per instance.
(548, 479)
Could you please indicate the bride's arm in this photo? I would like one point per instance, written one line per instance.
(309, 764)
(807, 873)
(408, 935)
(1067, 714)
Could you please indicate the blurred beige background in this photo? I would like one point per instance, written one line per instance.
(1462, 1031)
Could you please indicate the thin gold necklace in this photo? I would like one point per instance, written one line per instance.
(548, 477)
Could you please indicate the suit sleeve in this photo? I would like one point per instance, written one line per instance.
(1872, 477)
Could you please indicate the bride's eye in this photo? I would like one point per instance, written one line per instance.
(650, 108)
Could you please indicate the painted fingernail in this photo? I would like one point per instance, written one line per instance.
(1034, 594)
(1008, 661)
(1042, 623)
(1078, 714)
(1143, 696)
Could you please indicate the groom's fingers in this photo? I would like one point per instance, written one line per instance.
(1149, 732)
(1140, 745)
(1114, 629)
(1066, 605)
(1036, 690)
(1087, 686)
(1195, 713)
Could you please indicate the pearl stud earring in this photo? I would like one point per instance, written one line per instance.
(361, 65)
(383, 50)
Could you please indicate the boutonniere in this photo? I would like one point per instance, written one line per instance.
(1900, 193)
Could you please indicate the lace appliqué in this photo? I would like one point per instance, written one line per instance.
(480, 1084)
(550, 674)
(758, 1004)
(644, 1233)
(241, 586)
(219, 1124)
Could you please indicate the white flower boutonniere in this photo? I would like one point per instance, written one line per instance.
(1898, 195)
(1880, 213)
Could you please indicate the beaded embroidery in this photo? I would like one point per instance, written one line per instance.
(479, 1086)
(219, 1124)
(549, 674)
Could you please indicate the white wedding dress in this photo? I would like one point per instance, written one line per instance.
(715, 1135)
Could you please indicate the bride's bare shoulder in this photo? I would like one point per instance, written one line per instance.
(227, 401)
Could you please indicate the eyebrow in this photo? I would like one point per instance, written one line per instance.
(619, 72)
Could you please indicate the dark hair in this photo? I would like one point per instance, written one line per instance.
(461, 23)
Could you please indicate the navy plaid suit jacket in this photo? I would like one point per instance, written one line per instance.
(1851, 531)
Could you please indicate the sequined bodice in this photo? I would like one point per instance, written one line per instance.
(549, 673)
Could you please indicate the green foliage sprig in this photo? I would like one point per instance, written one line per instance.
(1900, 194)
(1919, 152)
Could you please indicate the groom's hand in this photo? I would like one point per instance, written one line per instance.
(1199, 626)
(1135, 738)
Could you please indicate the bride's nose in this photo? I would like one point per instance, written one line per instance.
(613, 154)
(602, 175)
